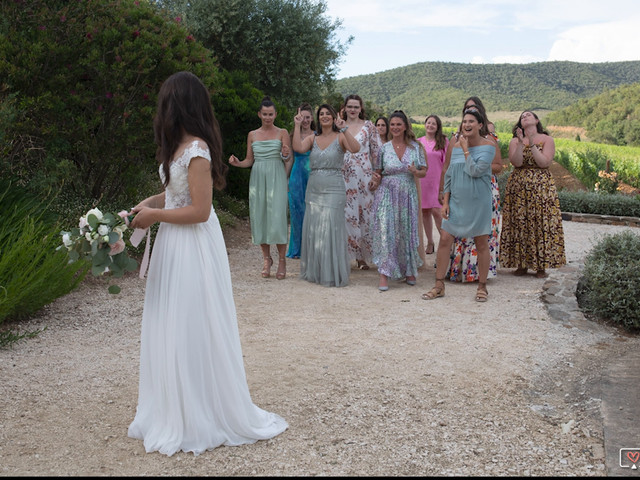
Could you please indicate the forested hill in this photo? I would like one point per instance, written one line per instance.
(442, 87)
(611, 117)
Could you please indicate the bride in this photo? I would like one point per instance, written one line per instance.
(193, 394)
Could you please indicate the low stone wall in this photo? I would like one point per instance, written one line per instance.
(601, 219)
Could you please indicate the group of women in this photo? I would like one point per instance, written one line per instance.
(364, 192)
(361, 201)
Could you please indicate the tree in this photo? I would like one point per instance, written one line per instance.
(78, 88)
(288, 47)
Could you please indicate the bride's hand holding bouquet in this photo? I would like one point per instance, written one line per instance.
(99, 238)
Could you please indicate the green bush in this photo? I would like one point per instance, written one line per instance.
(78, 86)
(609, 286)
(32, 272)
(599, 204)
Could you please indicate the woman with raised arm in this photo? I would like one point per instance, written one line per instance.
(193, 394)
(323, 253)
(466, 207)
(357, 175)
(532, 235)
(268, 153)
(298, 182)
(463, 265)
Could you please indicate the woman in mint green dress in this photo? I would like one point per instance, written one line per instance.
(466, 210)
(268, 153)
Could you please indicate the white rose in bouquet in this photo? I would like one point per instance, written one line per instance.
(103, 230)
(95, 212)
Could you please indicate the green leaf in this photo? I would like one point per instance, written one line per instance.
(114, 289)
(93, 221)
(113, 237)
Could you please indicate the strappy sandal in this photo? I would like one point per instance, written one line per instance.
(282, 269)
(435, 292)
(430, 248)
(266, 269)
(481, 293)
(362, 265)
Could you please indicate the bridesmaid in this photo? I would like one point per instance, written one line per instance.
(396, 228)
(435, 144)
(323, 253)
(298, 182)
(268, 152)
(463, 266)
(382, 124)
(357, 175)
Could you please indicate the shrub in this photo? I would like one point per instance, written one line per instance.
(32, 272)
(599, 204)
(609, 286)
(81, 81)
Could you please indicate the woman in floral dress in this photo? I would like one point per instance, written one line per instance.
(357, 174)
(396, 226)
(532, 235)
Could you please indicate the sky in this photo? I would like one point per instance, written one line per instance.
(395, 33)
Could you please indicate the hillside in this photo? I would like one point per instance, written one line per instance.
(611, 117)
(442, 87)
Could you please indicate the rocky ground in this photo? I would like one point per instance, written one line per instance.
(371, 383)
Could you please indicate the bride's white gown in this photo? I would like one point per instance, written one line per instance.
(193, 394)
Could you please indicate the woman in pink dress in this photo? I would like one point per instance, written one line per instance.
(435, 143)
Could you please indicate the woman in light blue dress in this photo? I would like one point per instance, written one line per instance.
(268, 153)
(298, 183)
(323, 252)
(466, 210)
(396, 208)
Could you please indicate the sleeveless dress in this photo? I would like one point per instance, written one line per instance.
(532, 234)
(193, 394)
(396, 233)
(268, 194)
(469, 183)
(323, 255)
(357, 173)
(297, 188)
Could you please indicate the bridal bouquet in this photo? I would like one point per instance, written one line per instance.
(99, 239)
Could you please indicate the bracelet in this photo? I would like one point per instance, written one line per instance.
(344, 129)
(283, 157)
(466, 153)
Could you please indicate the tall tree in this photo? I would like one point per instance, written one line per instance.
(288, 47)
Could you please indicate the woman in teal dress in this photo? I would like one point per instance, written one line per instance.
(298, 183)
(268, 153)
(466, 209)
(323, 252)
(396, 209)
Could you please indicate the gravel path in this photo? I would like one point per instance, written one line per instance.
(371, 383)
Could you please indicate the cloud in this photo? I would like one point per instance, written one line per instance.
(605, 42)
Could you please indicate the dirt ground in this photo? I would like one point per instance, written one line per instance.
(371, 383)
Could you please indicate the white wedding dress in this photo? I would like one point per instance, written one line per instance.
(193, 394)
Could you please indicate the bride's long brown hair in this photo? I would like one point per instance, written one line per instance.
(184, 107)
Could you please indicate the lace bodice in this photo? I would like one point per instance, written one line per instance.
(177, 193)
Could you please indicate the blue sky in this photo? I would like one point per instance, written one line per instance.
(395, 33)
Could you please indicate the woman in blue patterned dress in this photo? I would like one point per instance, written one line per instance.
(466, 209)
(268, 152)
(298, 182)
(396, 233)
